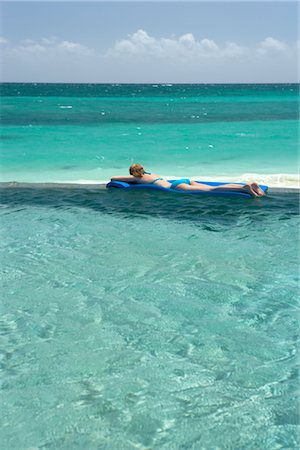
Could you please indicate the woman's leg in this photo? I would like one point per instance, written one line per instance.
(252, 189)
(207, 187)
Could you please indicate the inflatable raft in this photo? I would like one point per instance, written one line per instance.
(138, 186)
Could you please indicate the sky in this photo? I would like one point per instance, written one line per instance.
(149, 42)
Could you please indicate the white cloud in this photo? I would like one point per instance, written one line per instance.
(188, 47)
(270, 45)
(209, 46)
(188, 40)
(182, 48)
(50, 46)
(185, 46)
(141, 57)
(31, 48)
(233, 50)
(74, 47)
(141, 38)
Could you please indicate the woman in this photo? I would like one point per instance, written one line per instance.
(138, 175)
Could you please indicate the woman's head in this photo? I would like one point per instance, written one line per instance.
(137, 170)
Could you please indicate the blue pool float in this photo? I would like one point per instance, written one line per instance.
(133, 186)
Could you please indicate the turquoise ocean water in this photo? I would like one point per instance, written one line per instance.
(89, 132)
(148, 320)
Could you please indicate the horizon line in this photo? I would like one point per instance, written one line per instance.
(147, 83)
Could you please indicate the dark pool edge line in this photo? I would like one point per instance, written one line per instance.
(102, 186)
(16, 184)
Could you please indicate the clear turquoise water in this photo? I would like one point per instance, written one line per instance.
(142, 320)
(54, 132)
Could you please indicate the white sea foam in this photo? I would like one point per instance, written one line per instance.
(271, 180)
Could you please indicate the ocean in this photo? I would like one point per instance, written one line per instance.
(144, 319)
(89, 132)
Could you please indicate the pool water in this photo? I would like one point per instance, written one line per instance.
(148, 320)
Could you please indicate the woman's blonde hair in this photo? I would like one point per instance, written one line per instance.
(137, 170)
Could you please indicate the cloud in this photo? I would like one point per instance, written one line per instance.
(30, 48)
(234, 50)
(74, 47)
(142, 57)
(49, 41)
(50, 46)
(185, 46)
(270, 45)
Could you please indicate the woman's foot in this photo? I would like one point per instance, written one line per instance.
(254, 189)
(257, 189)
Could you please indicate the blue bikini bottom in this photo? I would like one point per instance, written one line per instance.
(177, 182)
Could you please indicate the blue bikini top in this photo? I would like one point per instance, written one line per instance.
(156, 179)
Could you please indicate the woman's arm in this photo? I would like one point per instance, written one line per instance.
(128, 178)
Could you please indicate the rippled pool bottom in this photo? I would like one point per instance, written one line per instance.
(142, 321)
